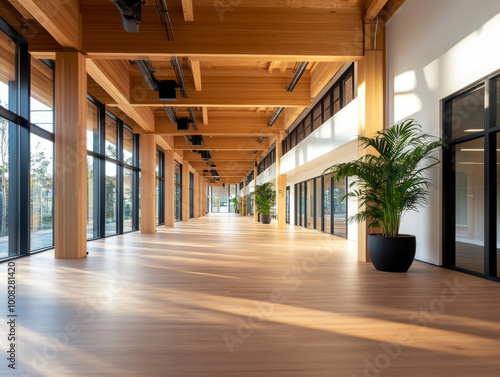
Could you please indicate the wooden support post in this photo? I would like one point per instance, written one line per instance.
(196, 196)
(70, 182)
(255, 210)
(185, 192)
(148, 183)
(371, 116)
(169, 189)
(280, 184)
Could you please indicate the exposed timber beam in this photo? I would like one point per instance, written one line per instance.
(232, 88)
(332, 34)
(223, 143)
(114, 77)
(187, 9)
(374, 7)
(195, 68)
(60, 18)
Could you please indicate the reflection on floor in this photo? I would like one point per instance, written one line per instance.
(222, 296)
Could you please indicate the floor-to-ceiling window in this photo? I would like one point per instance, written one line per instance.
(220, 199)
(112, 174)
(288, 205)
(26, 148)
(471, 179)
(340, 208)
(327, 204)
(310, 203)
(178, 191)
(320, 205)
(160, 187)
(318, 220)
(191, 195)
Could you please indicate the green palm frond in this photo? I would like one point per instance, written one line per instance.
(391, 181)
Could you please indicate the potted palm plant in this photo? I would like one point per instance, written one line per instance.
(235, 204)
(389, 183)
(265, 198)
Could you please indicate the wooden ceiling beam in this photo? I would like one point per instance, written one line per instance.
(374, 8)
(289, 34)
(223, 143)
(196, 70)
(322, 75)
(244, 155)
(240, 165)
(60, 18)
(234, 88)
(187, 9)
(114, 77)
(204, 110)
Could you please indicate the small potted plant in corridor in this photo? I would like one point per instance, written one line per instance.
(265, 198)
(388, 183)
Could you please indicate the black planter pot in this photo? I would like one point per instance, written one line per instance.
(391, 254)
(266, 219)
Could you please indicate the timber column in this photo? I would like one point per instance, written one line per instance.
(70, 181)
(280, 183)
(148, 183)
(371, 99)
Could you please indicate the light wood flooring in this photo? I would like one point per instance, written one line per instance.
(222, 296)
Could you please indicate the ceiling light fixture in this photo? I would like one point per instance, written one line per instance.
(275, 116)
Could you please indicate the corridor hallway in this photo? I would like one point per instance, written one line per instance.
(222, 296)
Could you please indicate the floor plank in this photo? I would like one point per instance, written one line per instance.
(223, 296)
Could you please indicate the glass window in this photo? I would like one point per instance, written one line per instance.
(498, 102)
(128, 147)
(327, 106)
(42, 95)
(42, 222)
(339, 208)
(157, 165)
(110, 144)
(498, 199)
(300, 132)
(92, 127)
(157, 201)
(319, 203)
(92, 197)
(469, 210)
(465, 113)
(327, 204)
(302, 204)
(128, 203)
(4, 187)
(288, 205)
(178, 191)
(310, 204)
(348, 92)
(8, 72)
(110, 198)
(293, 138)
(307, 125)
(336, 98)
(317, 116)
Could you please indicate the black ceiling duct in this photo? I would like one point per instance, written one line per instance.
(182, 124)
(131, 14)
(197, 140)
(167, 90)
(206, 155)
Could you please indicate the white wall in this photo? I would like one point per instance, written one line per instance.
(267, 175)
(435, 48)
(336, 131)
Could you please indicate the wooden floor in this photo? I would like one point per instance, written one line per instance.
(223, 296)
